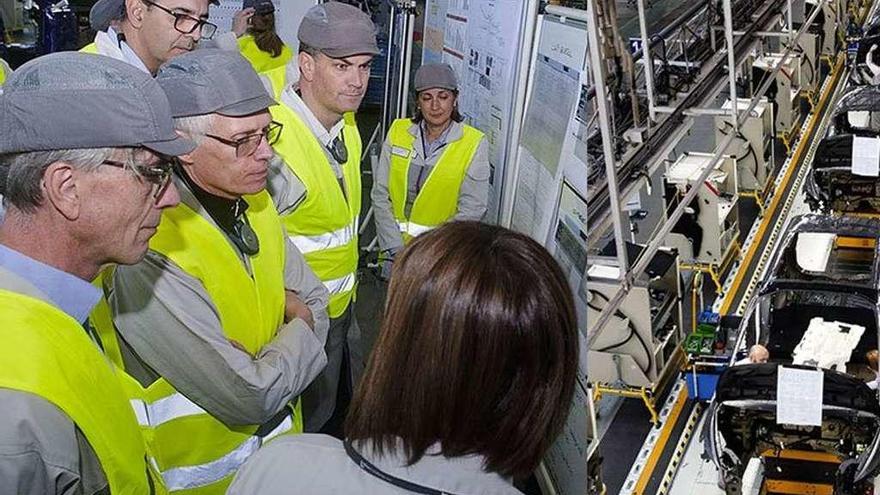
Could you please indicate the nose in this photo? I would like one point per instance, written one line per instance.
(359, 78)
(435, 104)
(170, 197)
(264, 150)
(196, 35)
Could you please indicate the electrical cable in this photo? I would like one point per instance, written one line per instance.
(751, 151)
(632, 332)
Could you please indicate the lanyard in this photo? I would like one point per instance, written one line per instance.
(369, 468)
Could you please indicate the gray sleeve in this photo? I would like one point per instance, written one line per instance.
(299, 278)
(286, 189)
(473, 198)
(41, 451)
(167, 318)
(224, 41)
(387, 231)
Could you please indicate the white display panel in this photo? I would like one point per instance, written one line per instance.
(552, 146)
(479, 39)
(288, 14)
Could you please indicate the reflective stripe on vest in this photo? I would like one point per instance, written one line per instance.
(163, 410)
(341, 285)
(413, 229)
(324, 225)
(47, 353)
(187, 477)
(194, 450)
(307, 244)
(437, 201)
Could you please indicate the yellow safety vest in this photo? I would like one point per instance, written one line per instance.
(3, 74)
(325, 225)
(260, 60)
(47, 353)
(90, 48)
(196, 453)
(278, 77)
(437, 201)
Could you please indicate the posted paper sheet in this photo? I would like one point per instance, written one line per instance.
(799, 396)
(866, 156)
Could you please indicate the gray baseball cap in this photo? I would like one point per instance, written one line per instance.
(338, 30)
(72, 100)
(435, 76)
(211, 80)
(104, 12)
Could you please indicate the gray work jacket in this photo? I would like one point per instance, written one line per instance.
(318, 465)
(41, 450)
(170, 328)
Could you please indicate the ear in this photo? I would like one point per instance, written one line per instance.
(60, 190)
(306, 66)
(134, 12)
(186, 160)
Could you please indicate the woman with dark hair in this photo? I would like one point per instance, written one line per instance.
(433, 168)
(258, 42)
(469, 383)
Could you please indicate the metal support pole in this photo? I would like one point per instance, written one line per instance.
(731, 63)
(598, 67)
(790, 24)
(641, 264)
(647, 60)
(387, 110)
(408, 9)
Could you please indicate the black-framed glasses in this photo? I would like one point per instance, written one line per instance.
(185, 23)
(248, 145)
(157, 174)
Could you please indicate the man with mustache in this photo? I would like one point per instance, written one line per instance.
(223, 324)
(148, 33)
(75, 201)
(322, 147)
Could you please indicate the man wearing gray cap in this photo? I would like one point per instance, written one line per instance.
(322, 147)
(86, 172)
(433, 168)
(223, 323)
(148, 33)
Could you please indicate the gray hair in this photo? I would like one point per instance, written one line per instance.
(21, 173)
(196, 126)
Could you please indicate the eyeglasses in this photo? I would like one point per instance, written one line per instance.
(186, 24)
(248, 145)
(158, 174)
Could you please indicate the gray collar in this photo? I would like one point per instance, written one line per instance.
(293, 100)
(453, 133)
(461, 475)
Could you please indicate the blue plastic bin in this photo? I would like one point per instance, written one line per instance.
(706, 381)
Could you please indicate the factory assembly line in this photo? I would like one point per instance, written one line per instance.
(761, 381)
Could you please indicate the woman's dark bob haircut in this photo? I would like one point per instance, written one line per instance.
(478, 351)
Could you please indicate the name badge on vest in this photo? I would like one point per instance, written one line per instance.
(402, 152)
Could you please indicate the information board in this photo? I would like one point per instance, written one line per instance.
(480, 40)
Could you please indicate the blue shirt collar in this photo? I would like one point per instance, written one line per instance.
(70, 293)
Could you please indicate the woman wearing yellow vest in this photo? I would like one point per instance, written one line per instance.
(433, 168)
(258, 41)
